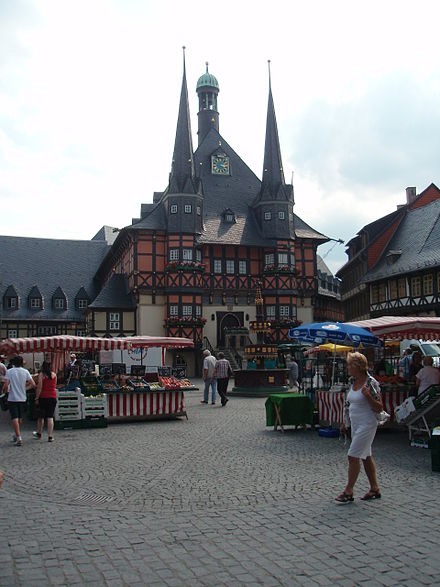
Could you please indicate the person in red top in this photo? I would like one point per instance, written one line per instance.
(46, 400)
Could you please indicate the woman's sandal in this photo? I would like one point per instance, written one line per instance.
(345, 497)
(371, 495)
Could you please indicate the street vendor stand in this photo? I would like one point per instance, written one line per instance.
(336, 333)
(399, 328)
(159, 399)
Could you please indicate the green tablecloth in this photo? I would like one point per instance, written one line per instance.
(295, 409)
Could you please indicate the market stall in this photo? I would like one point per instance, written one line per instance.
(126, 396)
(391, 330)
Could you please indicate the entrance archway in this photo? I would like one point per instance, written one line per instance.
(227, 320)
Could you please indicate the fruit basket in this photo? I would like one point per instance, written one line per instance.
(170, 383)
(138, 384)
(109, 384)
(91, 385)
(156, 386)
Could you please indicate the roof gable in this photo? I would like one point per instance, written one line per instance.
(417, 239)
(429, 195)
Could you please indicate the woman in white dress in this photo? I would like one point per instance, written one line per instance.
(364, 402)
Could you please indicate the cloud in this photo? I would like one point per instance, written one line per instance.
(385, 138)
(354, 158)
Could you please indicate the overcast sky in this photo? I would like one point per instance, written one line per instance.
(89, 93)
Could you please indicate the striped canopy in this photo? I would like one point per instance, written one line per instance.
(59, 344)
(400, 327)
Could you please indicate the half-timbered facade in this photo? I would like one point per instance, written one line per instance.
(190, 264)
(194, 257)
(394, 262)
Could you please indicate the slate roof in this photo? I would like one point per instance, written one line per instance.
(115, 295)
(48, 264)
(106, 233)
(236, 192)
(418, 239)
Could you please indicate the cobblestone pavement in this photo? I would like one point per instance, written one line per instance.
(216, 500)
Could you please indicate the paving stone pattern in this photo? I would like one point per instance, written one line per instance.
(216, 500)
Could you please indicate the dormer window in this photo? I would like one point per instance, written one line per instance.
(393, 255)
(188, 208)
(11, 303)
(82, 299)
(10, 298)
(173, 209)
(228, 216)
(281, 215)
(59, 300)
(35, 303)
(35, 299)
(59, 304)
(268, 216)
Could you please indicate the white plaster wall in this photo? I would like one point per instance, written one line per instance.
(150, 316)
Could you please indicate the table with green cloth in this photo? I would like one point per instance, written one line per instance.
(288, 409)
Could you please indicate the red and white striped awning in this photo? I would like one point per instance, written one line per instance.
(58, 344)
(61, 343)
(400, 327)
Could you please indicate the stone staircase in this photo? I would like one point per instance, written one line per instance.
(233, 358)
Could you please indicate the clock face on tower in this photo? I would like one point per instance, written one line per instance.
(220, 165)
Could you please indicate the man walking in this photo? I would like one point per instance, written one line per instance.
(17, 380)
(223, 371)
(209, 377)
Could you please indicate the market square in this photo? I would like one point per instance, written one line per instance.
(218, 499)
(199, 385)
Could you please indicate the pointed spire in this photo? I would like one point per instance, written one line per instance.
(273, 174)
(182, 171)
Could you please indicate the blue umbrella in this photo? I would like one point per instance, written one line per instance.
(335, 332)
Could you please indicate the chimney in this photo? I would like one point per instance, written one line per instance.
(411, 195)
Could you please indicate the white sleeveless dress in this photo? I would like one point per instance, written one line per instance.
(363, 424)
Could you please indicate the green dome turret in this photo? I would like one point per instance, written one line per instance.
(207, 80)
(207, 90)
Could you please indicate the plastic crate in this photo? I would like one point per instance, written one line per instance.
(67, 424)
(426, 396)
(94, 423)
(95, 406)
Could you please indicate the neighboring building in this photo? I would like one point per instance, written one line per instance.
(394, 262)
(328, 304)
(189, 266)
(46, 285)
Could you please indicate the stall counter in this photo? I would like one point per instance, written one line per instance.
(145, 405)
(330, 404)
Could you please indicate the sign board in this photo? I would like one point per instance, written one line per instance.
(179, 372)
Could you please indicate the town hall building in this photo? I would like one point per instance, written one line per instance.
(190, 264)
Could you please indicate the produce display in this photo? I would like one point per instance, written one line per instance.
(91, 385)
(185, 383)
(169, 383)
(138, 384)
(155, 386)
(109, 384)
(390, 379)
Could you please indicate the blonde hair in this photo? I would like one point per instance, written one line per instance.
(358, 360)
